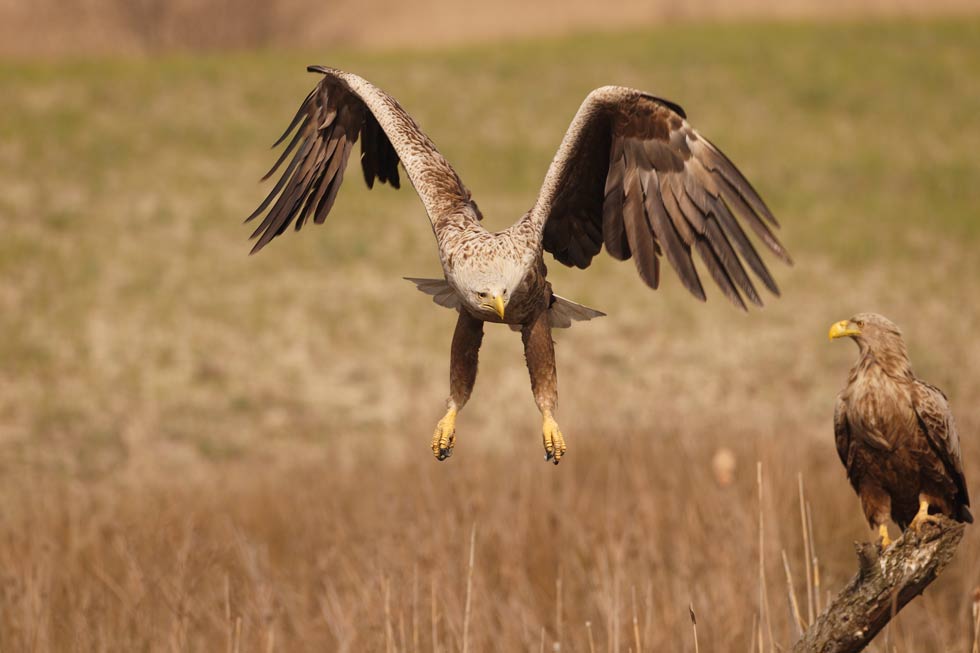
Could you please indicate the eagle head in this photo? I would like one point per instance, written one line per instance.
(488, 288)
(872, 332)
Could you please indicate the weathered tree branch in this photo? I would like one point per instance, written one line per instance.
(884, 584)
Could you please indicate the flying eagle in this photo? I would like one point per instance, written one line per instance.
(895, 433)
(631, 174)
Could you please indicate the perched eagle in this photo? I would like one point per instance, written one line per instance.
(895, 434)
(631, 174)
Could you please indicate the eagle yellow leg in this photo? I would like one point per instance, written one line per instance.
(445, 436)
(923, 516)
(554, 443)
(885, 540)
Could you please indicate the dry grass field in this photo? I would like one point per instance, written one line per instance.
(205, 451)
(133, 27)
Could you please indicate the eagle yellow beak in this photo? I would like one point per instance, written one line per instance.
(842, 329)
(498, 305)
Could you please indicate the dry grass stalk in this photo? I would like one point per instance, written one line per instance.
(389, 637)
(794, 606)
(763, 592)
(434, 617)
(469, 590)
(636, 621)
(415, 610)
(807, 554)
(976, 621)
(694, 627)
(588, 629)
(814, 561)
(558, 610)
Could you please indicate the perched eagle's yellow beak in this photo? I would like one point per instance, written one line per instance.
(498, 305)
(842, 329)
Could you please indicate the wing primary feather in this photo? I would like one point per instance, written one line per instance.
(370, 164)
(731, 261)
(678, 253)
(298, 175)
(283, 179)
(717, 272)
(304, 110)
(304, 174)
(280, 215)
(738, 206)
(319, 187)
(716, 238)
(300, 133)
(735, 177)
(638, 231)
(331, 196)
(736, 233)
(312, 187)
(684, 228)
(612, 206)
(279, 184)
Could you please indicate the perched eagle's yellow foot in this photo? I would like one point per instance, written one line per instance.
(885, 540)
(923, 517)
(445, 436)
(554, 443)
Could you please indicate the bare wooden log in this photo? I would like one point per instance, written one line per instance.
(885, 582)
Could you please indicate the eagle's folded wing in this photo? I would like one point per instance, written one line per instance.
(936, 421)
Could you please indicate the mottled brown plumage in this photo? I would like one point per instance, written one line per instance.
(895, 434)
(631, 175)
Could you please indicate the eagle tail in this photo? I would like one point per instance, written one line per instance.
(442, 293)
(563, 312)
(965, 514)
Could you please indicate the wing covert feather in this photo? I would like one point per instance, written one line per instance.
(936, 420)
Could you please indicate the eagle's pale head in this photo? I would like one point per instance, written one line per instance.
(874, 334)
(487, 286)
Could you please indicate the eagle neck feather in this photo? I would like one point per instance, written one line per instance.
(893, 362)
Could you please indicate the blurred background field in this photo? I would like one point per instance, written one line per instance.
(202, 450)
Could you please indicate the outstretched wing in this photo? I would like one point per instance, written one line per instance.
(341, 108)
(936, 421)
(633, 175)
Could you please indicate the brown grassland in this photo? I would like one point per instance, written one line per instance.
(204, 451)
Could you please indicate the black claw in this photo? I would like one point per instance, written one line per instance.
(548, 456)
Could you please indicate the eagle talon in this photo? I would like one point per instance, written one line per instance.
(923, 517)
(444, 438)
(883, 537)
(554, 443)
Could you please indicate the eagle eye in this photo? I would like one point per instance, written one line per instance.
(482, 295)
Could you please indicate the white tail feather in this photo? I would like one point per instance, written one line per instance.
(561, 314)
